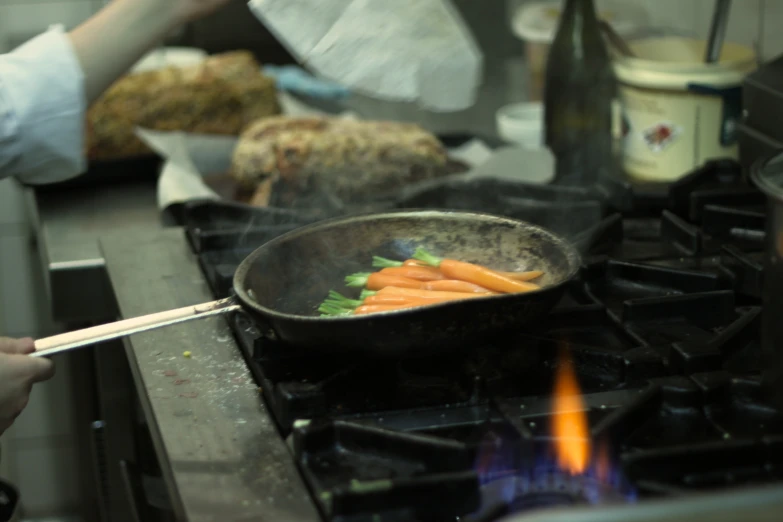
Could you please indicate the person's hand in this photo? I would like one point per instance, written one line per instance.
(18, 373)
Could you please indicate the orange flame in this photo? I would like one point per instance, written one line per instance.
(570, 427)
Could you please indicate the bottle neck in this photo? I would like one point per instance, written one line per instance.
(583, 10)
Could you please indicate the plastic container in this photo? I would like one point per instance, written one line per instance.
(535, 23)
(522, 124)
(677, 111)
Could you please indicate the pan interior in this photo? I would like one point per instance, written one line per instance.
(293, 273)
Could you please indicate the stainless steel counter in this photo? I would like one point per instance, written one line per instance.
(68, 224)
(218, 448)
(219, 452)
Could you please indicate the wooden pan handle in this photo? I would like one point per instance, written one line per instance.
(88, 336)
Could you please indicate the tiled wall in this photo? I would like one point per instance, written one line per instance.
(38, 453)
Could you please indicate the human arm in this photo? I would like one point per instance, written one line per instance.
(110, 42)
(47, 84)
(18, 373)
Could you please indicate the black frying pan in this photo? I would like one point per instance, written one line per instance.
(282, 283)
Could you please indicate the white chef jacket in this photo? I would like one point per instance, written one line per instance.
(42, 108)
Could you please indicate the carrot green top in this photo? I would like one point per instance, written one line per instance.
(426, 257)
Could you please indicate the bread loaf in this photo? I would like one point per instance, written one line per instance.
(218, 96)
(356, 161)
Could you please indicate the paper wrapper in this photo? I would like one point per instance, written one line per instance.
(402, 50)
(190, 159)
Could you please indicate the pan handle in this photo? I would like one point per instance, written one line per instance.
(88, 336)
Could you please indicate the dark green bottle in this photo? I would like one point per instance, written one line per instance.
(578, 93)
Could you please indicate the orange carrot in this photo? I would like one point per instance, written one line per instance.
(377, 280)
(450, 285)
(371, 309)
(475, 274)
(426, 294)
(382, 262)
(419, 273)
(391, 299)
(398, 299)
(522, 276)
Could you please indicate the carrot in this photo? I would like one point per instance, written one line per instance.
(475, 274)
(391, 299)
(451, 285)
(522, 276)
(377, 280)
(397, 299)
(419, 273)
(373, 308)
(426, 294)
(382, 262)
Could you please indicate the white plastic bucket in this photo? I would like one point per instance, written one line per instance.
(677, 111)
(535, 23)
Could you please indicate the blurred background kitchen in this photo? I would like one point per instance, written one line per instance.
(39, 454)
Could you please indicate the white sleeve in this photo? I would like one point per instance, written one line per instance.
(42, 110)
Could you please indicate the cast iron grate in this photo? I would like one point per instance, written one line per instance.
(662, 325)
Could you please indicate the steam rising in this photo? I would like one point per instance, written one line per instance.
(574, 211)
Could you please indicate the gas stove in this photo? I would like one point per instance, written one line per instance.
(662, 328)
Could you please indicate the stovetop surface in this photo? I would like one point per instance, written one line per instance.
(662, 325)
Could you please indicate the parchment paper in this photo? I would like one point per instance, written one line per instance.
(401, 50)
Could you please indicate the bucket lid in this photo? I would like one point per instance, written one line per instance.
(674, 62)
(537, 21)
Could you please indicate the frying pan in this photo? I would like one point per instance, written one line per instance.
(282, 282)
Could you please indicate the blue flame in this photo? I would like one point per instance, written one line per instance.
(510, 469)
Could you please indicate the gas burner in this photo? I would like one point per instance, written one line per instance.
(531, 489)
(546, 487)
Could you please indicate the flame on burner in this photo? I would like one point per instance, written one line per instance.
(570, 426)
(603, 463)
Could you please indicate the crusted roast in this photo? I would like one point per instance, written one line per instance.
(356, 161)
(218, 96)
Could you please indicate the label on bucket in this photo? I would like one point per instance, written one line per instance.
(661, 135)
(669, 133)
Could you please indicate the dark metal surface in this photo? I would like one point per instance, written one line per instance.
(762, 99)
(283, 281)
(768, 175)
(220, 454)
